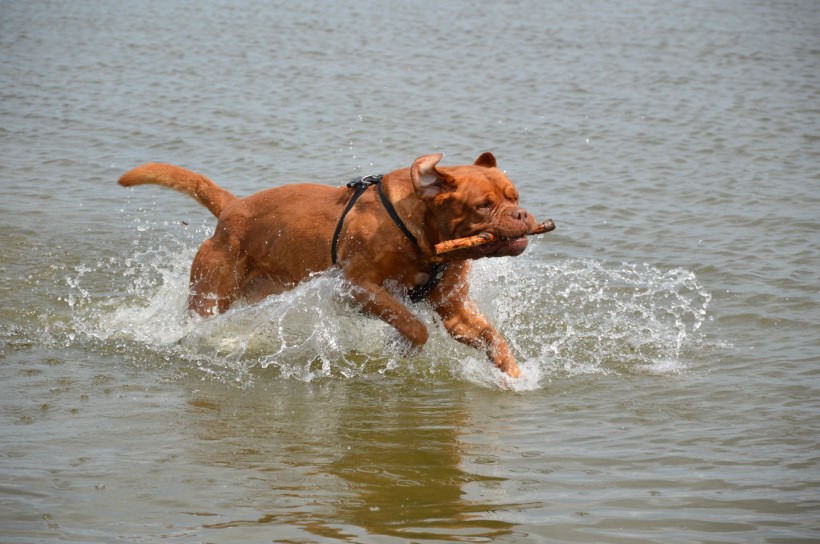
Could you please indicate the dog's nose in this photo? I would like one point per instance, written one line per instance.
(521, 214)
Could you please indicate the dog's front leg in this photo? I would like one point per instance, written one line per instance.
(465, 323)
(379, 302)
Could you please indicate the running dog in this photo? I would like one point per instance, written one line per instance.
(379, 230)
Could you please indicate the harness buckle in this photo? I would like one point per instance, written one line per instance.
(365, 181)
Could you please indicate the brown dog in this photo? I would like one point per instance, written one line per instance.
(383, 241)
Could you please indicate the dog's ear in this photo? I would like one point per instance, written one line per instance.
(427, 179)
(486, 160)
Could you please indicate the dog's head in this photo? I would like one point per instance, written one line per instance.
(473, 199)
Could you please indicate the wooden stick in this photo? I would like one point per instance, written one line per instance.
(486, 238)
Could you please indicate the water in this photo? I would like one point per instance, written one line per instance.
(668, 331)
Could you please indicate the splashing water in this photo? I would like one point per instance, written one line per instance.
(584, 316)
(571, 317)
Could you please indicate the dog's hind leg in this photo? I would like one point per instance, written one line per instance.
(216, 276)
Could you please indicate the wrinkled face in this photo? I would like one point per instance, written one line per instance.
(474, 199)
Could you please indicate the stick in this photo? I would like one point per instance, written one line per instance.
(486, 238)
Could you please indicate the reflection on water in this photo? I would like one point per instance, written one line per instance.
(404, 462)
(386, 460)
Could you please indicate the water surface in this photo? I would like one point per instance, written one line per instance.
(667, 330)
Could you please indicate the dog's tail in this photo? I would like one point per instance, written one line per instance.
(205, 191)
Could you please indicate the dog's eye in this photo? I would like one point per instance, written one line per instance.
(485, 205)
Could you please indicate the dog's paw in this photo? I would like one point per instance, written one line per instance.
(401, 346)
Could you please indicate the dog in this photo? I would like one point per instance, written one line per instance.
(380, 231)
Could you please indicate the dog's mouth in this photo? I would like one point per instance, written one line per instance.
(503, 247)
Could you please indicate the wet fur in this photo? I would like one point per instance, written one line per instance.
(271, 241)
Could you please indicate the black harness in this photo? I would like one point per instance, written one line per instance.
(417, 293)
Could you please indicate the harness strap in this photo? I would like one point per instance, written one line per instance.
(417, 293)
(361, 185)
(395, 216)
(420, 292)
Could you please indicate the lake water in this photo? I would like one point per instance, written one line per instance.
(668, 330)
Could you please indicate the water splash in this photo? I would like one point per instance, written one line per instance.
(587, 316)
(569, 317)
